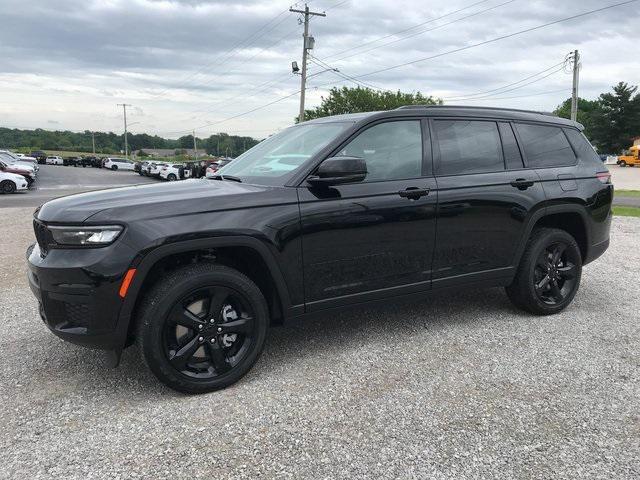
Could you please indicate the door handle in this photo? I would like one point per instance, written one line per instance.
(522, 183)
(414, 193)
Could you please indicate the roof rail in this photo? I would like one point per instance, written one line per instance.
(474, 107)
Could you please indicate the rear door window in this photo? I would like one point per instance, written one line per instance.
(545, 146)
(467, 146)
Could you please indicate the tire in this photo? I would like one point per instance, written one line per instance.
(543, 286)
(114, 167)
(171, 177)
(622, 163)
(7, 186)
(214, 364)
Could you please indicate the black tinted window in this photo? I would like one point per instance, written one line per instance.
(581, 145)
(467, 146)
(393, 150)
(512, 156)
(545, 146)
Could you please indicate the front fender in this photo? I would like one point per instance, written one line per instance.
(145, 263)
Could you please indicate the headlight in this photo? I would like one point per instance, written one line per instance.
(85, 236)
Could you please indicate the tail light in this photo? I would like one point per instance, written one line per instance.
(604, 177)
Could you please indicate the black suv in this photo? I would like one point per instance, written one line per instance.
(329, 213)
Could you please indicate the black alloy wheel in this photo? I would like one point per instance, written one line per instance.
(202, 327)
(548, 276)
(208, 332)
(555, 273)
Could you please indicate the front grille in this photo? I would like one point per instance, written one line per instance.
(42, 235)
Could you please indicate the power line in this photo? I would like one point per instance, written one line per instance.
(406, 29)
(501, 90)
(341, 74)
(474, 14)
(229, 53)
(518, 96)
(485, 42)
(496, 39)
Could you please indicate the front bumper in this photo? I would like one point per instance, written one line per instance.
(78, 297)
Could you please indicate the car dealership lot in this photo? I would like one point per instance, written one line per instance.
(459, 385)
(56, 181)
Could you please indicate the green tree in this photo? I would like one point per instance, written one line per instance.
(355, 100)
(587, 112)
(619, 118)
(612, 120)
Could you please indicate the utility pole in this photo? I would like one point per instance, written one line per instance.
(126, 145)
(574, 90)
(195, 146)
(307, 44)
(93, 142)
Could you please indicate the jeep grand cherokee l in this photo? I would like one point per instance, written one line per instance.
(333, 212)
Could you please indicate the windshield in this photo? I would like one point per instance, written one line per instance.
(273, 161)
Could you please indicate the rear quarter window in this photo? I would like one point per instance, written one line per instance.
(582, 146)
(545, 146)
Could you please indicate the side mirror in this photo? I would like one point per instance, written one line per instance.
(339, 170)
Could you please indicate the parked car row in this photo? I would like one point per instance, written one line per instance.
(180, 171)
(16, 172)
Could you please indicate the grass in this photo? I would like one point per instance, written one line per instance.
(626, 211)
(627, 193)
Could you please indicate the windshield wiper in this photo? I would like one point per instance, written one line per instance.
(227, 177)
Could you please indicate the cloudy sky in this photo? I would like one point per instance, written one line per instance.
(215, 65)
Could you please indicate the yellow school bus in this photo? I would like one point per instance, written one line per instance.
(631, 159)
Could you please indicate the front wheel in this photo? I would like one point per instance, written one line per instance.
(171, 177)
(549, 273)
(7, 186)
(202, 328)
(623, 163)
(114, 167)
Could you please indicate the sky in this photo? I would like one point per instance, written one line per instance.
(225, 66)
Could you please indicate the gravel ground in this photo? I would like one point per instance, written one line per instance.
(457, 387)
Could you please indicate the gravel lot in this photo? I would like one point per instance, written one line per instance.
(457, 387)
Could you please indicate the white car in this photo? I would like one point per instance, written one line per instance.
(54, 160)
(174, 172)
(12, 182)
(114, 164)
(155, 168)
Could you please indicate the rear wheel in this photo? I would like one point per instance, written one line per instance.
(549, 273)
(7, 186)
(171, 177)
(202, 328)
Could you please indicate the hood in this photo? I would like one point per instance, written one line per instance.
(11, 176)
(146, 201)
(22, 166)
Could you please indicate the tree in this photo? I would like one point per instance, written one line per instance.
(619, 118)
(355, 100)
(587, 111)
(612, 120)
